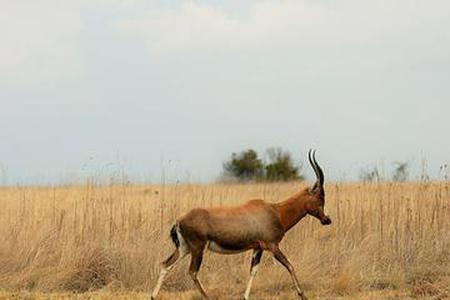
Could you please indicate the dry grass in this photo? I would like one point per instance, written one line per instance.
(387, 241)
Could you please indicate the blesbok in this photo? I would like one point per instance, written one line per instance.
(256, 225)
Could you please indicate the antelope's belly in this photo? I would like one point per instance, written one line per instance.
(215, 247)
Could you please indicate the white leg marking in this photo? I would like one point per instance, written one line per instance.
(162, 274)
(250, 282)
(199, 285)
(183, 251)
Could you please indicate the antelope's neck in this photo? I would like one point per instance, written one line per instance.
(292, 210)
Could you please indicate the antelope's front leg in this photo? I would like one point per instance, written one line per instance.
(256, 258)
(285, 262)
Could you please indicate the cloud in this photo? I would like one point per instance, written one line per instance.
(44, 41)
(192, 27)
(40, 41)
(144, 77)
(336, 32)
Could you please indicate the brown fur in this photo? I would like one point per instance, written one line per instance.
(256, 225)
(237, 228)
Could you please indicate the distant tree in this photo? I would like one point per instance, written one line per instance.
(401, 172)
(244, 166)
(444, 170)
(281, 166)
(369, 174)
(3, 174)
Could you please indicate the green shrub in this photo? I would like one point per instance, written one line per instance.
(247, 166)
(244, 166)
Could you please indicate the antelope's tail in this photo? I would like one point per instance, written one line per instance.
(174, 235)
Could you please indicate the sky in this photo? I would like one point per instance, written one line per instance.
(169, 89)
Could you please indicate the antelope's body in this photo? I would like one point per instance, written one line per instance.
(233, 229)
(256, 225)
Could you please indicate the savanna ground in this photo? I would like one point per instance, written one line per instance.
(387, 241)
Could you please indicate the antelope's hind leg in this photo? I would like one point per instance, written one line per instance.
(256, 258)
(166, 266)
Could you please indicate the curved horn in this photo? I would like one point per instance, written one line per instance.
(311, 161)
(320, 176)
(316, 167)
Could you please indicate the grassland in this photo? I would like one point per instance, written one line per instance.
(387, 241)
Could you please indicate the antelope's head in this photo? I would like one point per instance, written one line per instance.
(316, 200)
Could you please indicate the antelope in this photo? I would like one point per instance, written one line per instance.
(256, 225)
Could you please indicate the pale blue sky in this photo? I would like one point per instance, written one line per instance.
(94, 87)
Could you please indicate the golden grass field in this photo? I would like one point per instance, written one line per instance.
(387, 241)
